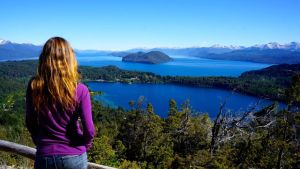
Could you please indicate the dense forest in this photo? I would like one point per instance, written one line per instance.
(138, 138)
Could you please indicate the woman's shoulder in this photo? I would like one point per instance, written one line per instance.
(82, 88)
(80, 85)
(82, 91)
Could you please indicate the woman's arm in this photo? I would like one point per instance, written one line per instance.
(31, 116)
(87, 118)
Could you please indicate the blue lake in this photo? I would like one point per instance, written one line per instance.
(205, 100)
(182, 66)
(201, 99)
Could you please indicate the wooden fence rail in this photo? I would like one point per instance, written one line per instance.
(29, 152)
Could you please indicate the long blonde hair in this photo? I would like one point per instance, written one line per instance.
(57, 76)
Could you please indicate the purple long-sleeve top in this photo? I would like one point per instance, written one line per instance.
(56, 132)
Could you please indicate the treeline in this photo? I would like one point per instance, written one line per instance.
(27, 68)
(114, 74)
(266, 88)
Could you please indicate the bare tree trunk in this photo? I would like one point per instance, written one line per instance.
(216, 128)
(280, 153)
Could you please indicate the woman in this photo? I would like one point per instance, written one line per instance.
(55, 104)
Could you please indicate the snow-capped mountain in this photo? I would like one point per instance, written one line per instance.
(233, 47)
(16, 51)
(293, 46)
(2, 41)
(274, 45)
(273, 53)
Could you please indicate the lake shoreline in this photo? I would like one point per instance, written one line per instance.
(202, 100)
(193, 86)
(252, 84)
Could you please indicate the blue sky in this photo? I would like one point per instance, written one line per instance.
(124, 24)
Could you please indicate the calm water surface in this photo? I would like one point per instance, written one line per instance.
(201, 99)
(182, 66)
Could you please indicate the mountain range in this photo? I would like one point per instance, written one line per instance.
(16, 51)
(272, 53)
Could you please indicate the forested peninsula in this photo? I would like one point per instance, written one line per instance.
(269, 83)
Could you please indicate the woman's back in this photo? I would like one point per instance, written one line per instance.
(57, 131)
(55, 101)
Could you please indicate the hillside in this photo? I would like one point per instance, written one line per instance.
(139, 137)
(283, 70)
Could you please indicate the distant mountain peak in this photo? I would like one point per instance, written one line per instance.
(218, 46)
(273, 45)
(2, 41)
(276, 45)
(294, 45)
(226, 47)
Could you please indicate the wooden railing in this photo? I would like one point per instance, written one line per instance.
(29, 152)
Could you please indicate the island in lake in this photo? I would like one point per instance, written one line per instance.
(153, 57)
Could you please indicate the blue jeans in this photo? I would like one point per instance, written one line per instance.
(61, 162)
